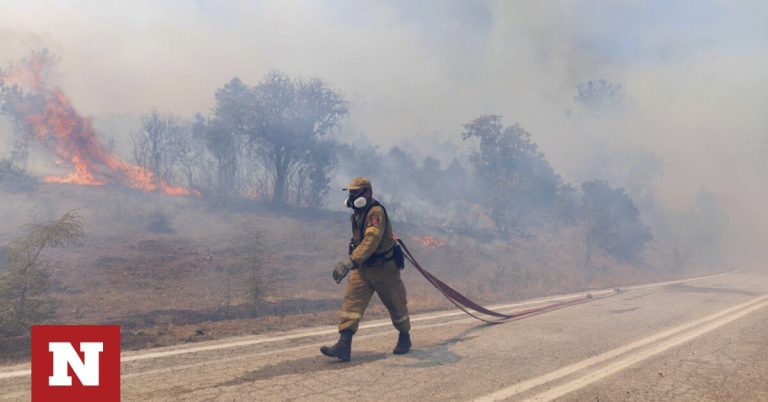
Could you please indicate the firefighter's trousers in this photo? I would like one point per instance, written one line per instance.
(385, 281)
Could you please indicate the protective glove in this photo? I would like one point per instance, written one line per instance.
(342, 269)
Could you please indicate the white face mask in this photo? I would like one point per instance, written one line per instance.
(359, 202)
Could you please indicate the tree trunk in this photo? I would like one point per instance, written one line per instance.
(588, 245)
(22, 304)
(282, 163)
(255, 285)
(277, 193)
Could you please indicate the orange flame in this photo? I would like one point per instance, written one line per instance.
(430, 241)
(49, 116)
(253, 193)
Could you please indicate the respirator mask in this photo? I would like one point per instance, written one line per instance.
(355, 200)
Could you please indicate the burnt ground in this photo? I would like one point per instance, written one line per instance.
(195, 280)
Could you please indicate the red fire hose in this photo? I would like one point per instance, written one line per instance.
(468, 306)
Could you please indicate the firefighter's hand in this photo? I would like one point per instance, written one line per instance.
(342, 269)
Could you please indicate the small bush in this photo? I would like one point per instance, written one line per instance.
(159, 223)
(24, 297)
(15, 179)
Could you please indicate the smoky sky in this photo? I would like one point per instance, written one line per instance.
(694, 73)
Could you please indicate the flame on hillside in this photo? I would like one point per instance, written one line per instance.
(430, 241)
(48, 116)
(253, 193)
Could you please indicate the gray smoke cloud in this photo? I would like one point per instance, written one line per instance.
(694, 75)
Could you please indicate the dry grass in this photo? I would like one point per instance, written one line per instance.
(171, 288)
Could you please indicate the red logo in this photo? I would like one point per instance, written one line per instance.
(75, 363)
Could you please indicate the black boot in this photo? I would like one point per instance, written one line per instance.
(403, 343)
(342, 349)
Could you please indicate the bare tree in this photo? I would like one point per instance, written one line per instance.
(243, 278)
(160, 144)
(191, 155)
(255, 262)
(230, 274)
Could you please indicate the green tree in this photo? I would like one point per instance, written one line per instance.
(232, 117)
(612, 222)
(599, 96)
(285, 123)
(516, 179)
(24, 287)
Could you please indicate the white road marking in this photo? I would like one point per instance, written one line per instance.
(304, 334)
(380, 323)
(319, 331)
(12, 374)
(707, 324)
(312, 333)
(280, 351)
(14, 396)
(642, 355)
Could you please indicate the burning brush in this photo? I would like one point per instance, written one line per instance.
(47, 115)
(430, 241)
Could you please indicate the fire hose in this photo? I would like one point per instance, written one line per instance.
(471, 308)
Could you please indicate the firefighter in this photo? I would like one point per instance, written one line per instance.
(375, 261)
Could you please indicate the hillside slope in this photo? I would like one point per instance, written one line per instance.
(172, 269)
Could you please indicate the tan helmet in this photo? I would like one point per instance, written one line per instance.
(358, 183)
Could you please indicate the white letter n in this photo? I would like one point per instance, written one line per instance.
(87, 370)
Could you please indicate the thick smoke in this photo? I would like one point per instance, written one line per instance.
(693, 75)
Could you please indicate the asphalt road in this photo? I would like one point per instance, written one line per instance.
(693, 340)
